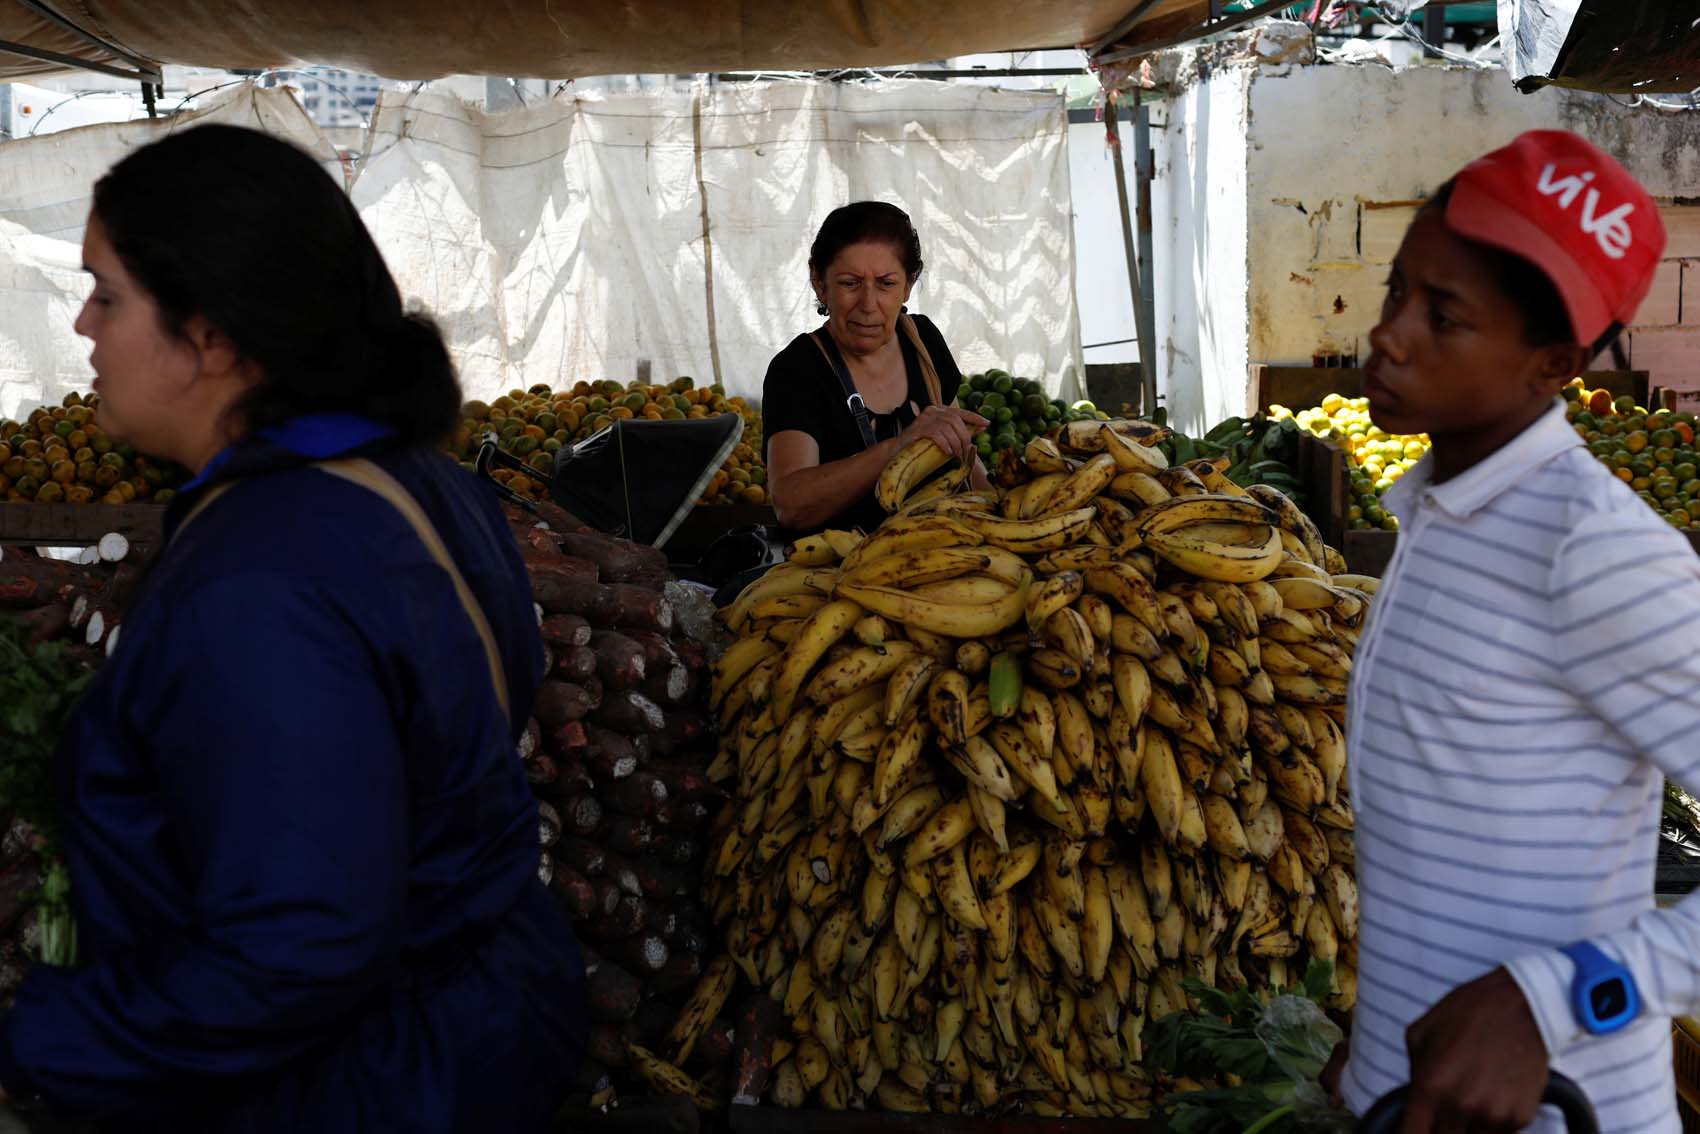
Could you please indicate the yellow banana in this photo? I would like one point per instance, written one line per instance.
(1037, 717)
(1076, 558)
(947, 700)
(946, 827)
(1292, 519)
(1265, 831)
(909, 812)
(1133, 592)
(907, 684)
(1180, 512)
(1160, 779)
(1029, 500)
(1083, 485)
(1043, 457)
(903, 534)
(982, 766)
(917, 567)
(1025, 762)
(963, 590)
(1138, 488)
(1340, 894)
(1253, 558)
(1129, 635)
(1133, 687)
(855, 670)
(1227, 837)
(1297, 725)
(824, 627)
(897, 754)
(1325, 659)
(1054, 669)
(1024, 854)
(1300, 593)
(1029, 537)
(1129, 455)
(1097, 928)
(940, 487)
(1067, 630)
(955, 888)
(1093, 436)
(1368, 584)
(1305, 690)
(1157, 874)
(1050, 595)
(947, 619)
(989, 815)
(913, 464)
(1328, 750)
(735, 664)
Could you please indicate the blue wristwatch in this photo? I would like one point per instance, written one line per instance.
(1603, 995)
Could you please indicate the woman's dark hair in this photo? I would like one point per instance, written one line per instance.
(1546, 321)
(252, 234)
(865, 221)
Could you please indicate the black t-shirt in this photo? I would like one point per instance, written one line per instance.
(801, 392)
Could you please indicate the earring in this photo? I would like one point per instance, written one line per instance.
(903, 308)
(820, 309)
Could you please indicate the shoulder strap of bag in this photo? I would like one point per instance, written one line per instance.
(360, 471)
(929, 372)
(852, 397)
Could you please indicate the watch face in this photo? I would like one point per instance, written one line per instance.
(1609, 999)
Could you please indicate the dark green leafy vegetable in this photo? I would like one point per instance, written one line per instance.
(39, 687)
(1268, 1052)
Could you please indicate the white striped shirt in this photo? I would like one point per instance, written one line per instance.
(1528, 674)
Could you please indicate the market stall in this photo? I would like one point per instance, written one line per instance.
(1026, 810)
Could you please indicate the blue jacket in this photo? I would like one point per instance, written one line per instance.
(303, 852)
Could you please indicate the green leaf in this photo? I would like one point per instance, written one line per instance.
(1319, 980)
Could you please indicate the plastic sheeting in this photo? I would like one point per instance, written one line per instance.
(1631, 46)
(566, 241)
(45, 188)
(558, 39)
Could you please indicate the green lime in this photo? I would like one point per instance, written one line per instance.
(991, 401)
(1003, 415)
(1004, 384)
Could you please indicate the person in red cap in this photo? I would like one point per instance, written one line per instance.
(1526, 680)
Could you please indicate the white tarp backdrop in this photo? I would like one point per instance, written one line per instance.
(46, 184)
(566, 240)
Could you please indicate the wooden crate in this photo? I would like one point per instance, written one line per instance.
(773, 1120)
(1685, 1045)
(74, 525)
(1301, 387)
(1327, 493)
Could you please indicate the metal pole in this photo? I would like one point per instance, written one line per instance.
(1147, 356)
(1434, 30)
(499, 94)
(1144, 171)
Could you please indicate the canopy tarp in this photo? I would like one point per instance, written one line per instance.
(578, 237)
(555, 39)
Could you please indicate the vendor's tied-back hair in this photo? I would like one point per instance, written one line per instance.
(861, 222)
(252, 234)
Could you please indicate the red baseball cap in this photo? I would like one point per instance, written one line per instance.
(1569, 208)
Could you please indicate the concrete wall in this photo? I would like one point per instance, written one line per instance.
(1337, 156)
(1283, 193)
(1201, 247)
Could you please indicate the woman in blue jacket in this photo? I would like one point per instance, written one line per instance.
(303, 853)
